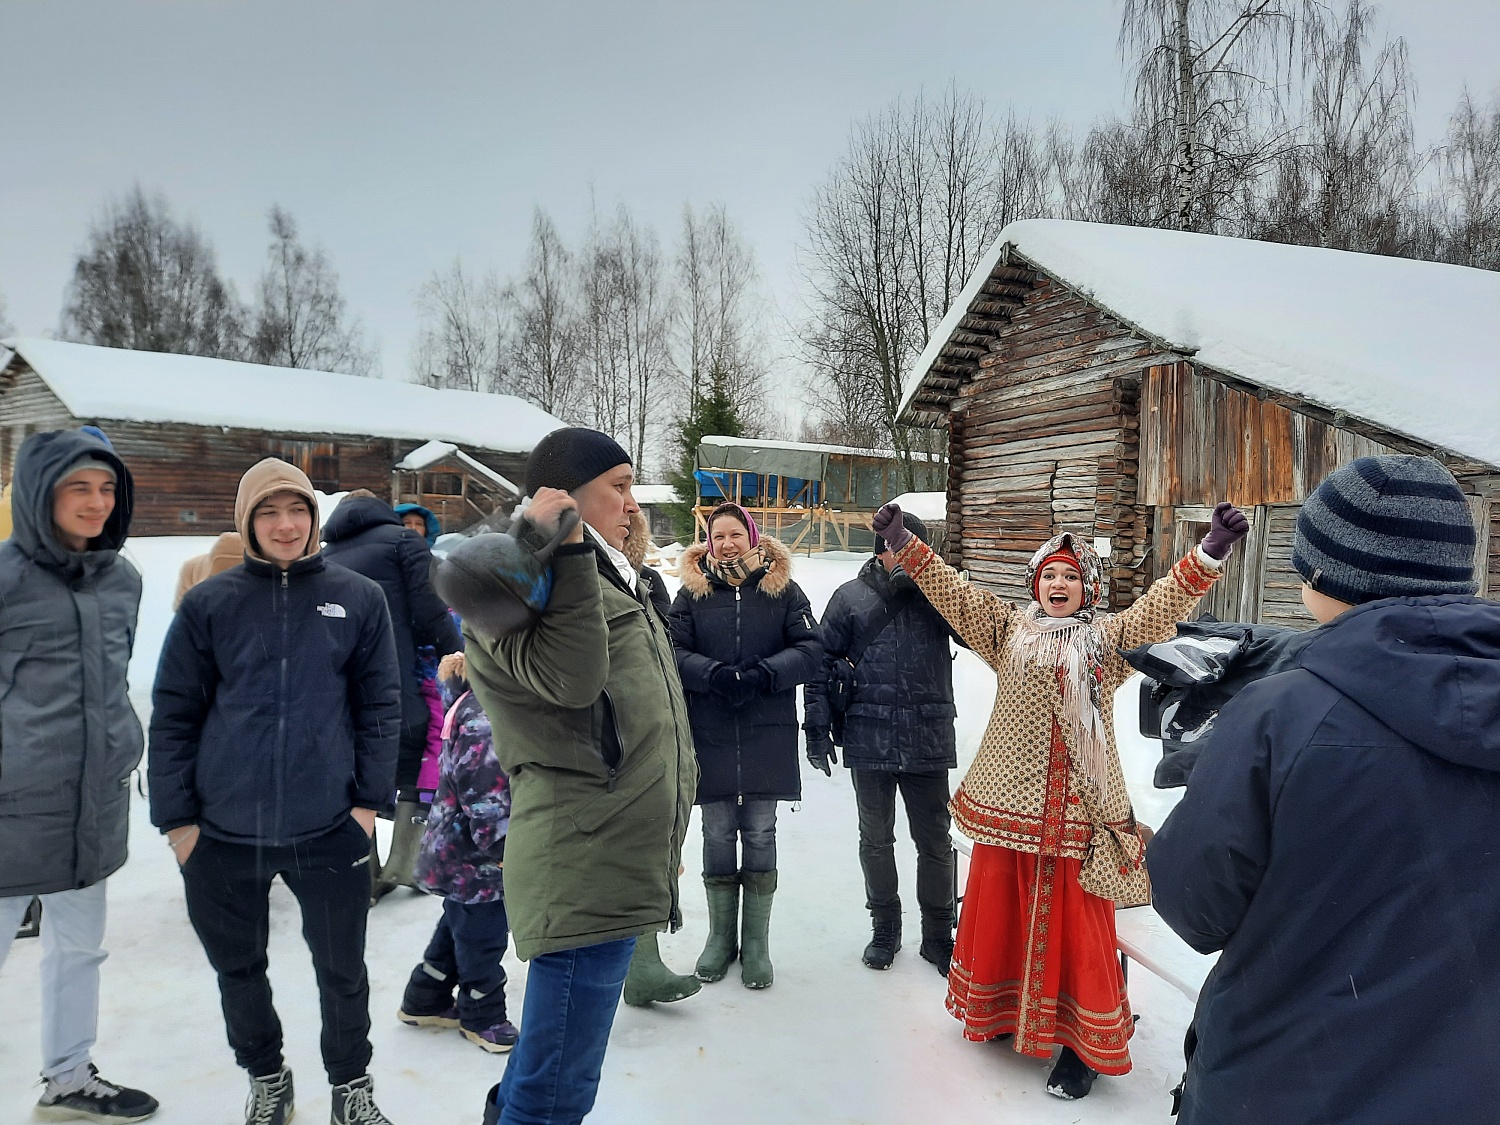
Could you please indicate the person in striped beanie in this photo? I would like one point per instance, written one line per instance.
(1383, 527)
(1336, 844)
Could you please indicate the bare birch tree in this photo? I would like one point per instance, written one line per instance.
(150, 282)
(718, 337)
(463, 339)
(300, 318)
(545, 350)
(1209, 75)
(1351, 180)
(1469, 186)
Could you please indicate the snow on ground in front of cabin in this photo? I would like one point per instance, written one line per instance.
(831, 1042)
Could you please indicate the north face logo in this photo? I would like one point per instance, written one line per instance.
(332, 609)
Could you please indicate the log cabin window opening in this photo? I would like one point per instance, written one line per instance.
(318, 459)
(442, 484)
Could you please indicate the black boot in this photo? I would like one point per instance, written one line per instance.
(491, 1106)
(937, 943)
(884, 945)
(1071, 1078)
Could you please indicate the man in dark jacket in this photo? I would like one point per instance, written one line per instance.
(366, 535)
(1337, 839)
(273, 744)
(69, 740)
(890, 649)
(591, 728)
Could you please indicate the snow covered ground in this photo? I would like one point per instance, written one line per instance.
(831, 1042)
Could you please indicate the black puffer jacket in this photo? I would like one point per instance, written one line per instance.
(901, 715)
(277, 701)
(69, 737)
(366, 535)
(748, 751)
(1337, 843)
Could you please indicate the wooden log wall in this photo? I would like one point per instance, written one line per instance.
(1047, 440)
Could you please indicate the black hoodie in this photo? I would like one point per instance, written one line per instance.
(1340, 846)
(69, 737)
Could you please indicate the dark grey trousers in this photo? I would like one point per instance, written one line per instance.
(926, 798)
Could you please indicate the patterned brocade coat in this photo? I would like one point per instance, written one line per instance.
(1005, 798)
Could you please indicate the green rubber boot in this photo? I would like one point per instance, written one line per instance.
(723, 927)
(406, 841)
(755, 937)
(650, 982)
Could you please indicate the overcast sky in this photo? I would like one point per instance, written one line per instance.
(400, 135)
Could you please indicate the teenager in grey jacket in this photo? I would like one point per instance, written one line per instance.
(69, 740)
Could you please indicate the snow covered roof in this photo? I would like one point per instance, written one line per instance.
(112, 384)
(648, 494)
(1410, 347)
(428, 453)
(715, 441)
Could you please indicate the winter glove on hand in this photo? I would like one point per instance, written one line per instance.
(1227, 528)
(760, 678)
(887, 524)
(727, 682)
(820, 750)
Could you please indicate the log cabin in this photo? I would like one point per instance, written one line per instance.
(1119, 381)
(189, 427)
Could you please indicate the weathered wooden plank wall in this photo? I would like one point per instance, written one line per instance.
(1204, 441)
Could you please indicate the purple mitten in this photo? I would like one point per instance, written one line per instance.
(1227, 528)
(887, 524)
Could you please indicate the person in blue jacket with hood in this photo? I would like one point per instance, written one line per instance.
(416, 518)
(1337, 841)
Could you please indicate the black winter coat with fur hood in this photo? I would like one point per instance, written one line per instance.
(748, 751)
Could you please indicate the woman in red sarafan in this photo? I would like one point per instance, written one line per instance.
(1056, 844)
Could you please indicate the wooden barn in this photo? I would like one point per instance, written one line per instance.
(1118, 381)
(189, 427)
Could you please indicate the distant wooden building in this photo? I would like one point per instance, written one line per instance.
(811, 497)
(189, 427)
(1117, 382)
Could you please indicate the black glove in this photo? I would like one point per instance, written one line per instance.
(820, 750)
(729, 683)
(759, 676)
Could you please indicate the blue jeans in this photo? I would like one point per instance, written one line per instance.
(726, 823)
(552, 1076)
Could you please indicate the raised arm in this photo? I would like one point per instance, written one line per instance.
(979, 617)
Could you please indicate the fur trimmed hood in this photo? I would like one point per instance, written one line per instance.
(638, 541)
(778, 569)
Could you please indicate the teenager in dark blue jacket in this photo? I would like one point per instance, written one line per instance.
(273, 742)
(745, 638)
(1337, 840)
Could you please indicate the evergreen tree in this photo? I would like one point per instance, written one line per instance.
(714, 415)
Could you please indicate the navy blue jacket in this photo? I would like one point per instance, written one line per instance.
(277, 704)
(901, 715)
(748, 751)
(365, 535)
(1338, 841)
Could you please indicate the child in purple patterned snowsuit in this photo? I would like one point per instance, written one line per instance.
(462, 858)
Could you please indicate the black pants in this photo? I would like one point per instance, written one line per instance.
(412, 748)
(465, 952)
(228, 900)
(926, 798)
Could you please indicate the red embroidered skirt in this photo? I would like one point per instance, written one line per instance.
(1035, 956)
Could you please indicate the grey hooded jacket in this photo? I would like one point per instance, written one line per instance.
(69, 737)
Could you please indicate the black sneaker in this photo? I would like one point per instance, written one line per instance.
(1071, 1078)
(95, 1100)
(883, 946)
(270, 1101)
(354, 1104)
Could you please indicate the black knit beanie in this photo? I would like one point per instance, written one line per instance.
(570, 457)
(1386, 527)
(912, 524)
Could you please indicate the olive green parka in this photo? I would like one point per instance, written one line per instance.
(591, 727)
